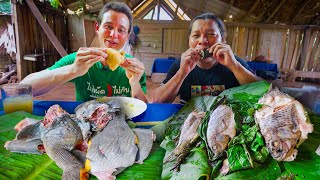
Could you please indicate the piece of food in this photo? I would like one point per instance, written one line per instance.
(188, 136)
(112, 148)
(221, 128)
(97, 113)
(60, 135)
(283, 124)
(115, 58)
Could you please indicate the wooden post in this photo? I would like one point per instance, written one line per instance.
(56, 43)
(20, 43)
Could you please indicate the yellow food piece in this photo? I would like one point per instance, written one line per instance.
(115, 58)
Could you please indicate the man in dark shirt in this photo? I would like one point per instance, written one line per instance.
(196, 76)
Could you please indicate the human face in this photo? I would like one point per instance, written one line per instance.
(204, 33)
(113, 30)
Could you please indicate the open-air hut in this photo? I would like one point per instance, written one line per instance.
(285, 32)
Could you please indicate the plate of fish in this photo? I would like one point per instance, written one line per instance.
(130, 106)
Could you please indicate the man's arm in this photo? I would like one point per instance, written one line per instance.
(44, 81)
(243, 75)
(224, 55)
(169, 91)
(134, 72)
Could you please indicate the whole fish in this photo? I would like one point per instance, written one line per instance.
(188, 136)
(283, 124)
(221, 128)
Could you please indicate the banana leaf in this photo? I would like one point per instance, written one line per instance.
(196, 165)
(27, 166)
(307, 163)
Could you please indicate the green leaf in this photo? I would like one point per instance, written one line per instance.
(269, 170)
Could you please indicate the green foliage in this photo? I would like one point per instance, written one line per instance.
(54, 3)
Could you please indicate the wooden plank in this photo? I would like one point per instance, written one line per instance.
(245, 44)
(46, 28)
(309, 50)
(255, 42)
(312, 62)
(291, 45)
(303, 74)
(235, 39)
(269, 26)
(89, 31)
(33, 40)
(27, 32)
(229, 36)
(240, 41)
(20, 43)
(50, 23)
(250, 44)
(284, 52)
(306, 38)
(296, 51)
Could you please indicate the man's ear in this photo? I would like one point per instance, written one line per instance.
(96, 26)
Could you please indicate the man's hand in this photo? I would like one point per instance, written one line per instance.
(134, 69)
(86, 57)
(223, 54)
(188, 60)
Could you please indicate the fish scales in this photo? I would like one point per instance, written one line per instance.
(221, 128)
(283, 124)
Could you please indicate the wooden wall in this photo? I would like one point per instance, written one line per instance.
(291, 47)
(160, 39)
(31, 39)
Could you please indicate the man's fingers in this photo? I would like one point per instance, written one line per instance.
(92, 51)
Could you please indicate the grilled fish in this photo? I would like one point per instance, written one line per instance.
(188, 136)
(221, 128)
(283, 124)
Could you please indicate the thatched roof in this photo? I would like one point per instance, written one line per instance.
(303, 12)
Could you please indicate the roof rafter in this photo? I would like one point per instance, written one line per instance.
(295, 18)
(253, 7)
(275, 11)
(144, 9)
(228, 9)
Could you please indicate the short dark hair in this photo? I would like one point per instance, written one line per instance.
(221, 26)
(118, 7)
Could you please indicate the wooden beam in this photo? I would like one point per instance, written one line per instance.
(54, 40)
(275, 10)
(293, 74)
(228, 9)
(252, 9)
(20, 40)
(302, 7)
(158, 15)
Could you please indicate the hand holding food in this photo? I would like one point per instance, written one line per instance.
(86, 57)
(223, 54)
(115, 58)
